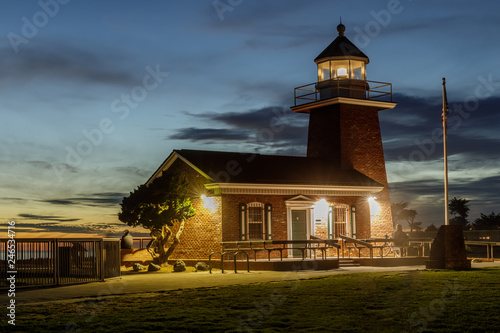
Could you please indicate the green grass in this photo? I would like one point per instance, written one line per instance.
(430, 301)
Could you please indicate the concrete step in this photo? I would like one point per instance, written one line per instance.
(348, 263)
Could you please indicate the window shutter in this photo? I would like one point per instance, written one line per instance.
(243, 222)
(353, 221)
(269, 221)
(330, 222)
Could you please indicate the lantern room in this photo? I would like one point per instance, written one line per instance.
(341, 69)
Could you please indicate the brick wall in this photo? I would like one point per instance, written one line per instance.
(355, 131)
(362, 149)
(230, 212)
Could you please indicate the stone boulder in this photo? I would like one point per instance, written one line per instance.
(138, 267)
(201, 266)
(179, 266)
(153, 268)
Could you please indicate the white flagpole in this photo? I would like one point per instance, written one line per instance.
(445, 153)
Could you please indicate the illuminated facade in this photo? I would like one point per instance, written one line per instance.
(339, 188)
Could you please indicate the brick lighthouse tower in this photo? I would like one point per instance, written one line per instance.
(343, 120)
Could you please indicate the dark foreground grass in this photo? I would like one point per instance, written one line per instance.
(430, 301)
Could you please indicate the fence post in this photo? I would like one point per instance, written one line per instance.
(7, 261)
(56, 262)
(101, 259)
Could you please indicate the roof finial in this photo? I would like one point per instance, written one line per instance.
(341, 28)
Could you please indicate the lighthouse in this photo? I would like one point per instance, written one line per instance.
(344, 126)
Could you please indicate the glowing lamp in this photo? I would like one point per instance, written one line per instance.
(208, 202)
(374, 206)
(321, 208)
(342, 73)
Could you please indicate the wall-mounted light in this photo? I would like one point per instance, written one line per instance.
(208, 202)
(374, 206)
(321, 209)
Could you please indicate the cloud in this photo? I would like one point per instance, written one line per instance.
(271, 130)
(104, 229)
(413, 130)
(92, 200)
(52, 218)
(49, 59)
(209, 134)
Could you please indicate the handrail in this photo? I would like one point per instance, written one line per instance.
(372, 93)
(354, 240)
(489, 246)
(222, 254)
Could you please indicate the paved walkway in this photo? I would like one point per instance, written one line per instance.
(159, 281)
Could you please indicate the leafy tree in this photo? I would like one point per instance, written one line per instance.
(158, 207)
(460, 210)
(397, 209)
(487, 222)
(400, 211)
(431, 228)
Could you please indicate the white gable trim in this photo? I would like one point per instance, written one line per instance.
(300, 201)
(289, 189)
(168, 163)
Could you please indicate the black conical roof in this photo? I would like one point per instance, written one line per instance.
(341, 47)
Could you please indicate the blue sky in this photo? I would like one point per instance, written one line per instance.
(94, 95)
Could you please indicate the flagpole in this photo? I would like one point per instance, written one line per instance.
(445, 153)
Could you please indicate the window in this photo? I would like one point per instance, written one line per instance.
(324, 71)
(358, 70)
(338, 221)
(255, 221)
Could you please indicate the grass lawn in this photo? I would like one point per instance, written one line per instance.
(429, 301)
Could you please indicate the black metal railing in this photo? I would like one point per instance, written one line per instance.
(46, 262)
(370, 90)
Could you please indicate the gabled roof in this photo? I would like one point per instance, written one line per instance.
(248, 168)
(341, 47)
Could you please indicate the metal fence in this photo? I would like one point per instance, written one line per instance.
(63, 261)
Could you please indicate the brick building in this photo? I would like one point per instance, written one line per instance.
(339, 188)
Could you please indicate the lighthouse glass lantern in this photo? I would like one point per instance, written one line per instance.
(341, 69)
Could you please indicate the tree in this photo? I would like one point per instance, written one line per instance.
(460, 210)
(158, 207)
(487, 222)
(400, 211)
(409, 215)
(397, 209)
(431, 228)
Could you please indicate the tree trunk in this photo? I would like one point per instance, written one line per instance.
(176, 239)
(160, 239)
(166, 233)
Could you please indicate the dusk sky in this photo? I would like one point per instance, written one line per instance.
(94, 95)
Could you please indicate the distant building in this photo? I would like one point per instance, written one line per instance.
(339, 188)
